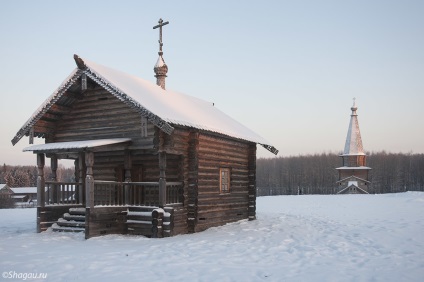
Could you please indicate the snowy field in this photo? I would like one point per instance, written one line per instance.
(296, 238)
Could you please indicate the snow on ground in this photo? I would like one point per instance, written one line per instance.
(296, 238)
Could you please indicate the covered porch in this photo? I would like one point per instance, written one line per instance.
(107, 207)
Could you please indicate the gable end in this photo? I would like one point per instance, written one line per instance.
(72, 78)
(157, 121)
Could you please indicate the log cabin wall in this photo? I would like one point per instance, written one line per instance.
(216, 208)
(361, 173)
(177, 147)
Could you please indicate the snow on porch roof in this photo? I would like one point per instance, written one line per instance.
(24, 190)
(75, 145)
(163, 108)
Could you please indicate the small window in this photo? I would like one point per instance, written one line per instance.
(224, 180)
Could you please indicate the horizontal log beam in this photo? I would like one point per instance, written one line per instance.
(55, 108)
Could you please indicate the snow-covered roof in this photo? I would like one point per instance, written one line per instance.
(352, 185)
(353, 176)
(5, 189)
(75, 145)
(353, 167)
(164, 108)
(24, 190)
(18, 196)
(353, 145)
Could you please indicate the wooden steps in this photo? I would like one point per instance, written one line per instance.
(74, 221)
(139, 221)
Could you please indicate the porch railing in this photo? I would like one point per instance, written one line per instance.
(111, 193)
(63, 193)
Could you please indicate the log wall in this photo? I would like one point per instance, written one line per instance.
(105, 220)
(361, 173)
(215, 208)
(100, 115)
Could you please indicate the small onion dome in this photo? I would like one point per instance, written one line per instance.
(160, 68)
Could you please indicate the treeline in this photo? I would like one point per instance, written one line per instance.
(316, 174)
(308, 174)
(26, 176)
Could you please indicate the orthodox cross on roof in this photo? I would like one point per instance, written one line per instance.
(354, 108)
(160, 25)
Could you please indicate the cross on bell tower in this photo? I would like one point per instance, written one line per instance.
(161, 69)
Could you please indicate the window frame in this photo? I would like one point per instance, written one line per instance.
(228, 181)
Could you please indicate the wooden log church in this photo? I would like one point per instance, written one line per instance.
(354, 174)
(148, 161)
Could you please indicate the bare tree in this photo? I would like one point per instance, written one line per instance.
(316, 174)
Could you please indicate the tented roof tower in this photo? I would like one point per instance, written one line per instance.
(353, 145)
(353, 175)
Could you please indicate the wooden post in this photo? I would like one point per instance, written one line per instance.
(40, 190)
(55, 196)
(157, 223)
(127, 167)
(40, 181)
(168, 229)
(77, 180)
(31, 135)
(252, 181)
(89, 180)
(162, 179)
(89, 191)
(181, 179)
(193, 176)
(81, 178)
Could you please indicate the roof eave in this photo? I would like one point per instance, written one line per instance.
(48, 103)
(353, 167)
(270, 148)
(82, 68)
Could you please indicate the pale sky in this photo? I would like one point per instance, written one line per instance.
(286, 69)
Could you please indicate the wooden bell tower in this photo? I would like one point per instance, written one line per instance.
(353, 174)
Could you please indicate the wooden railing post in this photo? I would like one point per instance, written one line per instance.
(55, 195)
(162, 179)
(40, 181)
(89, 180)
(40, 190)
(127, 167)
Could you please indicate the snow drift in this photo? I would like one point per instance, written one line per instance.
(295, 238)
